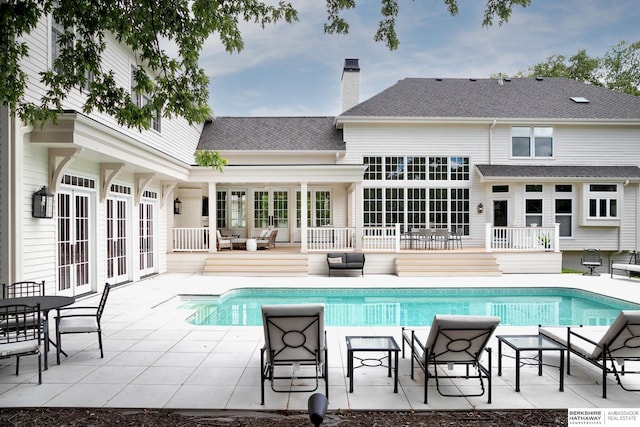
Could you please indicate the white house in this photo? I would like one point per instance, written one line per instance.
(488, 158)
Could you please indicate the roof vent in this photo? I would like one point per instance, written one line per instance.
(539, 78)
(507, 79)
(472, 80)
(579, 99)
(438, 79)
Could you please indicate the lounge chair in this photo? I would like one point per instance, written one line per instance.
(453, 340)
(603, 347)
(295, 342)
(264, 242)
(591, 259)
(223, 242)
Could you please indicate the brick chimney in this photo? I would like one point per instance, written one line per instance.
(350, 84)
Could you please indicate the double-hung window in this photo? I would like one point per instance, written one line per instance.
(533, 206)
(563, 205)
(531, 142)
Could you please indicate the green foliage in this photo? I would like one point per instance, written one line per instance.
(618, 70)
(211, 158)
(172, 86)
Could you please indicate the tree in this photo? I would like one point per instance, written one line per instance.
(172, 86)
(619, 69)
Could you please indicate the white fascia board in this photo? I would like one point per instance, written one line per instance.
(108, 144)
(280, 174)
(341, 121)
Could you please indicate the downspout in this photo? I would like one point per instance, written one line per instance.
(493, 124)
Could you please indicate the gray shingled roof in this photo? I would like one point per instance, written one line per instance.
(271, 133)
(522, 171)
(548, 98)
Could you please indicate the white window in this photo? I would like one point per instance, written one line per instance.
(57, 31)
(603, 201)
(140, 99)
(563, 206)
(531, 142)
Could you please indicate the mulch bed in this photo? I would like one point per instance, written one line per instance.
(65, 417)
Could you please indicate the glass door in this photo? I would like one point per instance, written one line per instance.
(271, 210)
(74, 267)
(147, 233)
(117, 241)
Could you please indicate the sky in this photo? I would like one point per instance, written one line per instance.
(295, 69)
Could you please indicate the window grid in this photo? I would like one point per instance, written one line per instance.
(238, 209)
(374, 168)
(460, 169)
(438, 209)
(394, 206)
(373, 207)
(417, 168)
(323, 208)
(261, 209)
(416, 208)
(221, 209)
(460, 210)
(281, 209)
(438, 168)
(394, 168)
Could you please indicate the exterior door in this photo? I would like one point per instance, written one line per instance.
(148, 241)
(271, 210)
(74, 243)
(117, 240)
(500, 213)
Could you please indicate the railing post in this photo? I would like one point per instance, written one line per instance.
(487, 237)
(556, 237)
(397, 236)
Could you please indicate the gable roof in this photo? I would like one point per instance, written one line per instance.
(521, 98)
(271, 133)
(527, 171)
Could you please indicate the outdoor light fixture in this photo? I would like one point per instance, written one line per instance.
(42, 206)
(177, 206)
(480, 208)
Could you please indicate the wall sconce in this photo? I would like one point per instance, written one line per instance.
(177, 206)
(480, 208)
(42, 205)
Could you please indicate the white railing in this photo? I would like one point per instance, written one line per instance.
(331, 238)
(522, 238)
(190, 239)
(381, 238)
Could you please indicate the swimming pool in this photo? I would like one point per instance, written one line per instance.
(412, 307)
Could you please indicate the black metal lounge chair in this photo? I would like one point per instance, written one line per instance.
(591, 259)
(453, 340)
(606, 348)
(295, 344)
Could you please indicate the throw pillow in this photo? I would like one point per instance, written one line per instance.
(335, 260)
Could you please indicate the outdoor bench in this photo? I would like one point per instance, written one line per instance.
(633, 266)
(345, 261)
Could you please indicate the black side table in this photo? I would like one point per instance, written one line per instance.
(537, 343)
(373, 344)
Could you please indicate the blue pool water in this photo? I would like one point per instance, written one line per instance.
(413, 307)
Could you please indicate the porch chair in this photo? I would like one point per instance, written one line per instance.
(19, 338)
(264, 240)
(425, 235)
(23, 289)
(453, 340)
(591, 259)
(455, 238)
(223, 242)
(81, 320)
(295, 348)
(441, 238)
(602, 347)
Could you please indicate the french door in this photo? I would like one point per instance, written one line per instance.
(117, 240)
(271, 210)
(148, 239)
(74, 243)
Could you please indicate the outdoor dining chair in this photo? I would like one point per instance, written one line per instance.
(18, 337)
(23, 289)
(81, 320)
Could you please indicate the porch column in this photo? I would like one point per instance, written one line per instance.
(303, 218)
(213, 217)
(358, 214)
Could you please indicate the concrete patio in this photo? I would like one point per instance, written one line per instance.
(154, 359)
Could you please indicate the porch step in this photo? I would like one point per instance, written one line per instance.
(442, 263)
(259, 263)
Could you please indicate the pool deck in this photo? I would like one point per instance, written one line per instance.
(154, 359)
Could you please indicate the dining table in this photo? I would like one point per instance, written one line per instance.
(47, 303)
